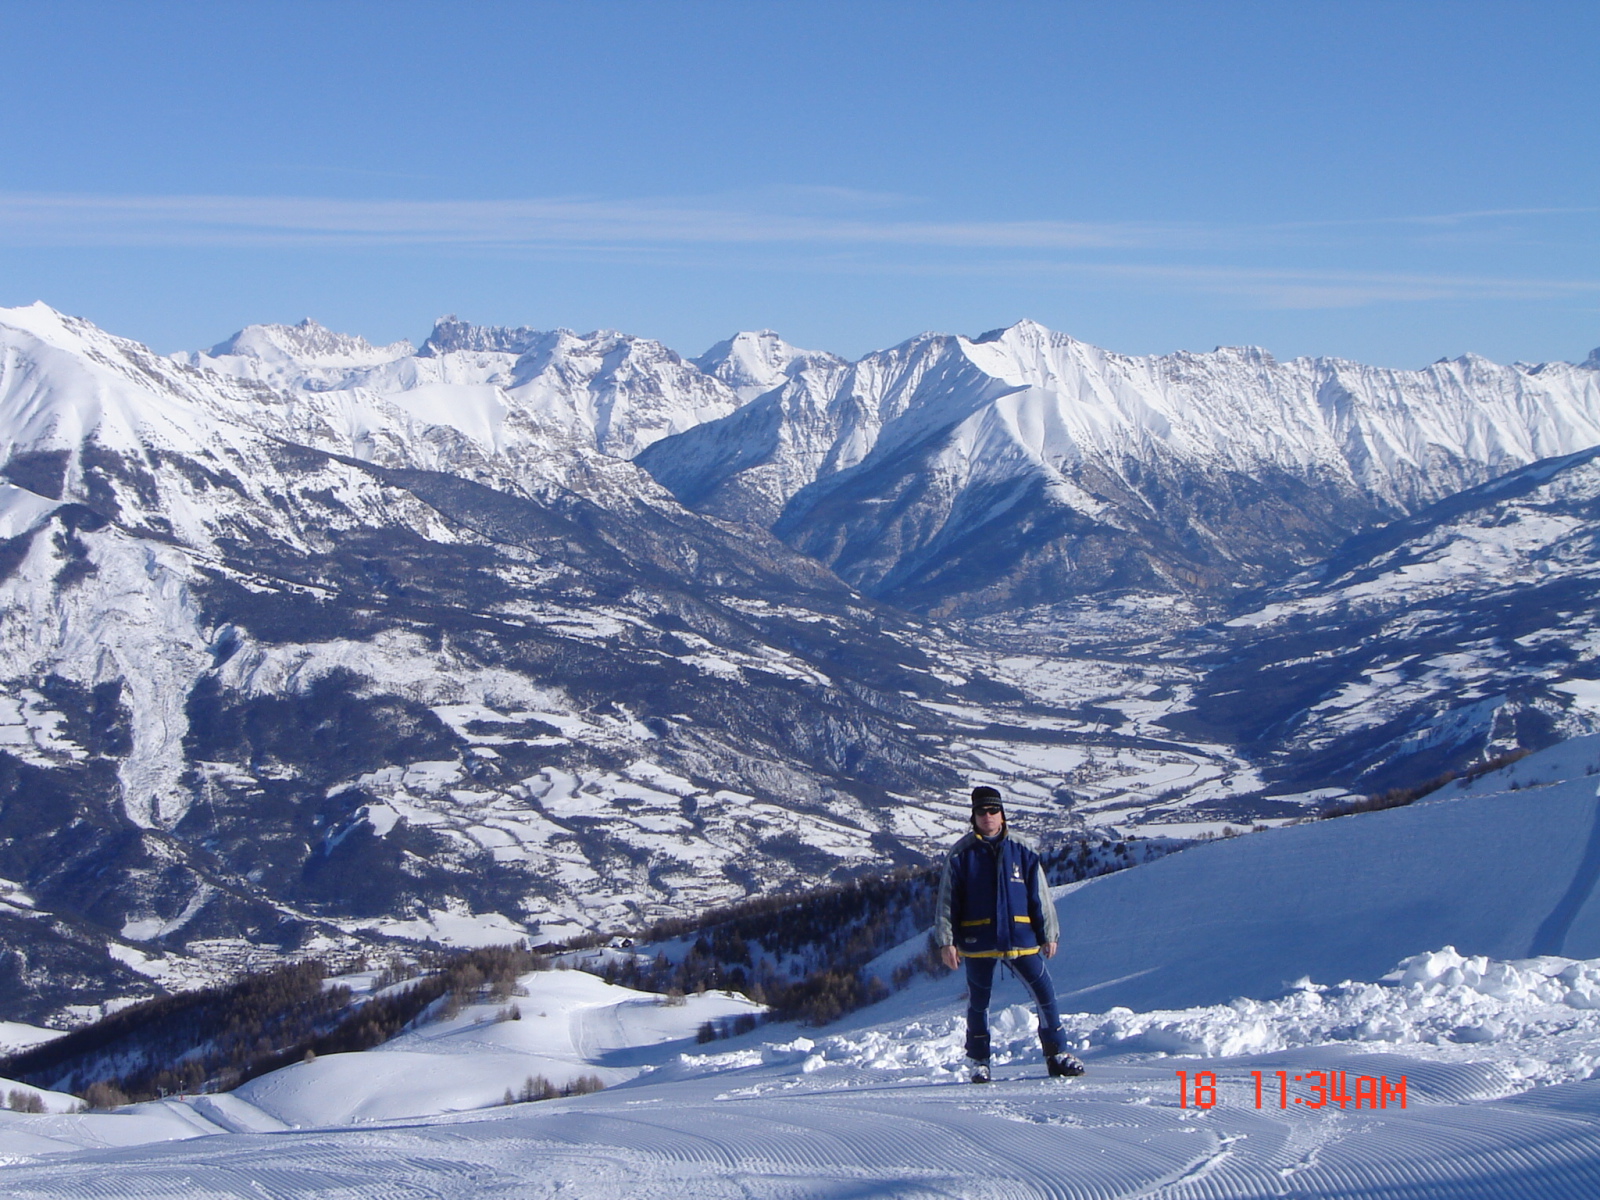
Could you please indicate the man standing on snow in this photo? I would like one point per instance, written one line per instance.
(994, 903)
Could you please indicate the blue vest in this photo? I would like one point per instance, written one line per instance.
(992, 913)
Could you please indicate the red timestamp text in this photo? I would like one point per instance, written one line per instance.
(1321, 1089)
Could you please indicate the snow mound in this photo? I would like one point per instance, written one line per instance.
(1536, 1020)
(568, 1024)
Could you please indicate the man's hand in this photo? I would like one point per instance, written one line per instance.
(949, 957)
(1050, 949)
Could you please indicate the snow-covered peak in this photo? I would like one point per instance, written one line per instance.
(451, 334)
(309, 343)
(757, 361)
(44, 323)
(1027, 354)
(65, 381)
(620, 393)
(74, 335)
(307, 355)
(1019, 332)
(1031, 345)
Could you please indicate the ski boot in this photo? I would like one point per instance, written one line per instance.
(1064, 1065)
(980, 1072)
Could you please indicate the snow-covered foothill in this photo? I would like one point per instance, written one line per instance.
(13, 1092)
(568, 1024)
(64, 1129)
(19, 1035)
(1467, 630)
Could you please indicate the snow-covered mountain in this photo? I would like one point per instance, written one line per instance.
(1024, 465)
(754, 363)
(1466, 630)
(306, 356)
(949, 473)
(259, 691)
(307, 641)
(515, 401)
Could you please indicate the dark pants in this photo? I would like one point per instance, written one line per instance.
(1031, 970)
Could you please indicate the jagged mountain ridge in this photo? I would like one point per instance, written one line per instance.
(504, 392)
(957, 474)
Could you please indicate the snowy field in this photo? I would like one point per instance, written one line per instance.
(1453, 945)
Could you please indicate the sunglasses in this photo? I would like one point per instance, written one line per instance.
(990, 810)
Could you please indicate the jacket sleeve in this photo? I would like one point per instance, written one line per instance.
(943, 928)
(1047, 925)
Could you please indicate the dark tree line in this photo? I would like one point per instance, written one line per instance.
(216, 1038)
(824, 938)
(1399, 797)
(176, 1043)
(537, 1087)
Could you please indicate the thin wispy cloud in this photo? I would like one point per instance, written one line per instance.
(1450, 218)
(847, 241)
(259, 220)
(1285, 288)
(1278, 288)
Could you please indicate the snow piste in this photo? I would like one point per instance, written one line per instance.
(1481, 867)
(1443, 1073)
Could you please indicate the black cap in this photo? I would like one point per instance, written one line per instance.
(984, 795)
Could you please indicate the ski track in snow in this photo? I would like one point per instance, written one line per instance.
(1115, 1134)
(878, 1110)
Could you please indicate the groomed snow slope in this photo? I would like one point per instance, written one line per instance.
(1496, 1055)
(571, 1024)
(1510, 874)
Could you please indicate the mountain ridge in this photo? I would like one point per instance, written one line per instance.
(1116, 440)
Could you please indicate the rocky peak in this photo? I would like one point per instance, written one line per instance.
(450, 334)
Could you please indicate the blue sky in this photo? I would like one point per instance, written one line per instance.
(1392, 182)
